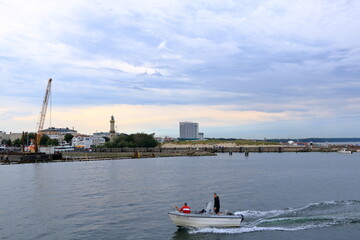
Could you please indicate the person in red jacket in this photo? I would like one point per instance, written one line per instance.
(184, 209)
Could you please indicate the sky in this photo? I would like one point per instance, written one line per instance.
(241, 69)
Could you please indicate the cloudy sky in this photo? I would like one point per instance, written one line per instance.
(244, 69)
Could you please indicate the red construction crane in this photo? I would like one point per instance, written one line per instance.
(42, 116)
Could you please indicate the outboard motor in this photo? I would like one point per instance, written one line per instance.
(208, 208)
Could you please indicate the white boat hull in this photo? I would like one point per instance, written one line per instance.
(344, 151)
(205, 220)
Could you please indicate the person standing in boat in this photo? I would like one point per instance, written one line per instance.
(216, 204)
(184, 209)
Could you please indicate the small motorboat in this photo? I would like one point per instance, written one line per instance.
(344, 150)
(205, 218)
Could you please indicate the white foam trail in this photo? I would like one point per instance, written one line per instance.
(245, 230)
(313, 215)
(253, 229)
(254, 214)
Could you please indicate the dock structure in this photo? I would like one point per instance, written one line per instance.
(27, 157)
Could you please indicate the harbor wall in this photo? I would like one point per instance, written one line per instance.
(24, 157)
(213, 149)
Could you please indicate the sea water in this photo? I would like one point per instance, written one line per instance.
(281, 195)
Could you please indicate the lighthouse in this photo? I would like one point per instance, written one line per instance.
(112, 128)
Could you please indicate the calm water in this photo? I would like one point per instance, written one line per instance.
(281, 195)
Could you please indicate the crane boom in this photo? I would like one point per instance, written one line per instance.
(44, 106)
(42, 115)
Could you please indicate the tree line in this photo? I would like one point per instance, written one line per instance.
(120, 141)
(132, 141)
(28, 137)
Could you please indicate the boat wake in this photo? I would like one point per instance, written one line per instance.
(314, 215)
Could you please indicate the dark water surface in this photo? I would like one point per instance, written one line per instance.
(281, 195)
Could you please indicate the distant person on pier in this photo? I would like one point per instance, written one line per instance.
(184, 209)
(216, 204)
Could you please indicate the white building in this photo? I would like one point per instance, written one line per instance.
(97, 141)
(86, 141)
(189, 131)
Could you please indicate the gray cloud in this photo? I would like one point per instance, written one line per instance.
(255, 54)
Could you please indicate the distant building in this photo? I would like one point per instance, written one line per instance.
(159, 139)
(165, 139)
(11, 136)
(86, 141)
(102, 134)
(201, 136)
(97, 141)
(169, 139)
(58, 133)
(189, 131)
(81, 141)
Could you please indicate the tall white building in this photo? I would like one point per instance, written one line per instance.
(189, 130)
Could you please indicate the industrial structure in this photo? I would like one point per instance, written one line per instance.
(41, 122)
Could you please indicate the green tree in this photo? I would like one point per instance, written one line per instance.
(8, 142)
(17, 142)
(68, 137)
(144, 140)
(44, 139)
(31, 136)
(132, 140)
(52, 142)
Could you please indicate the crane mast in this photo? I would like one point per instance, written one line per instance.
(42, 115)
